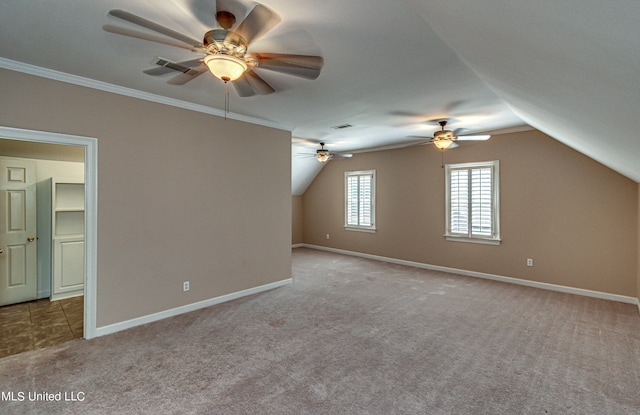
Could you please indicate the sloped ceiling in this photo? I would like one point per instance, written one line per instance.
(392, 68)
(571, 69)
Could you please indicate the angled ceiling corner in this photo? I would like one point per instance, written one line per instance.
(304, 169)
(568, 70)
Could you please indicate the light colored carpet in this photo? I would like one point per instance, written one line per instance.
(353, 336)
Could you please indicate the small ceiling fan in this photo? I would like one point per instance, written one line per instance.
(224, 51)
(444, 139)
(323, 155)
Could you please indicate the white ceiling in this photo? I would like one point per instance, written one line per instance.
(391, 67)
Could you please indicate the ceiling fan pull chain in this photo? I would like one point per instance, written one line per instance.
(226, 100)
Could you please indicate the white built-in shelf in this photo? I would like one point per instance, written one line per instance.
(67, 202)
(68, 207)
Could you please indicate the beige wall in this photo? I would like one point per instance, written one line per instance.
(577, 219)
(638, 283)
(181, 195)
(296, 222)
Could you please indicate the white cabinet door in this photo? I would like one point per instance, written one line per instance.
(68, 267)
(18, 257)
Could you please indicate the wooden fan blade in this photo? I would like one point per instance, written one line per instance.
(184, 67)
(341, 155)
(185, 77)
(192, 63)
(140, 21)
(304, 66)
(147, 36)
(243, 87)
(160, 70)
(257, 83)
(258, 22)
(474, 137)
(286, 59)
(299, 72)
(424, 140)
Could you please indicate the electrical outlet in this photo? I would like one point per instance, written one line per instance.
(185, 286)
(529, 262)
(327, 236)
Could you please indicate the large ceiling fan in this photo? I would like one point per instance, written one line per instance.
(224, 50)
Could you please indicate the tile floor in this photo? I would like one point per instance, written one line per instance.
(40, 323)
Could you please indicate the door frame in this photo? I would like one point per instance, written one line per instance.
(90, 145)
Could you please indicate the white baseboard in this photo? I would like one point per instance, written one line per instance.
(511, 280)
(294, 246)
(63, 296)
(68, 294)
(113, 328)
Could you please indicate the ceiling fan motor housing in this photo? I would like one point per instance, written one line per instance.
(226, 42)
(225, 19)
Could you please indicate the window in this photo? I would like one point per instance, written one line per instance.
(472, 202)
(360, 200)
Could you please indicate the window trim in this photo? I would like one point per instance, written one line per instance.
(494, 238)
(360, 228)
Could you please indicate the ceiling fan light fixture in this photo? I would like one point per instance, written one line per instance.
(442, 143)
(443, 138)
(323, 155)
(224, 67)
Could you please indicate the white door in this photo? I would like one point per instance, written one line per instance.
(18, 256)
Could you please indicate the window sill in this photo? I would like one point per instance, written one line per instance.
(485, 241)
(357, 229)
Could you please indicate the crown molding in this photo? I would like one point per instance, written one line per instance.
(129, 92)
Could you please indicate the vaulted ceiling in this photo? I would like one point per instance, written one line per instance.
(391, 68)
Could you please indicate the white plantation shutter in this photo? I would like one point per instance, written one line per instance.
(352, 200)
(360, 199)
(481, 201)
(364, 197)
(472, 201)
(459, 212)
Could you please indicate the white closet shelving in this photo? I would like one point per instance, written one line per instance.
(67, 229)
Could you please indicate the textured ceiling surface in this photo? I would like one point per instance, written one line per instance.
(391, 69)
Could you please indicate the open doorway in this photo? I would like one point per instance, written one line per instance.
(58, 153)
